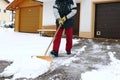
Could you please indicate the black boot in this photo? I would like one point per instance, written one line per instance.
(54, 53)
(69, 53)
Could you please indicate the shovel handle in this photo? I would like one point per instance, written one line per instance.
(52, 39)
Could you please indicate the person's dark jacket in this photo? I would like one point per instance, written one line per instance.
(67, 8)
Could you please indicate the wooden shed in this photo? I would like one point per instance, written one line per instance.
(28, 15)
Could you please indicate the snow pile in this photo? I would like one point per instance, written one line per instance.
(27, 68)
(109, 72)
(19, 47)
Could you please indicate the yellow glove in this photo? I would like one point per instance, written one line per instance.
(64, 19)
(60, 21)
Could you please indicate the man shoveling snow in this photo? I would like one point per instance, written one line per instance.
(64, 10)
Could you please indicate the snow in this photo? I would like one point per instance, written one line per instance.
(27, 68)
(109, 72)
(67, 62)
(18, 47)
(10, 0)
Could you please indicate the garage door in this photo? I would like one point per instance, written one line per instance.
(29, 19)
(76, 21)
(107, 20)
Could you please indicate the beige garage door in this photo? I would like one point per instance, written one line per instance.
(29, 19)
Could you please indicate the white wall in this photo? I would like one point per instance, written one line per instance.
(48, 16)
(85, 15)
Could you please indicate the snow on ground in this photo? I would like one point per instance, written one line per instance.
(19, 47)
(109, 72)
(26, 68)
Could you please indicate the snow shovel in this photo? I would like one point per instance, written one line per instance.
(45, 57)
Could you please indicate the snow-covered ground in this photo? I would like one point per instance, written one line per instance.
(19, 47)
(109, 72)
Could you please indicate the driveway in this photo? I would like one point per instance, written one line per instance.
(85, 55)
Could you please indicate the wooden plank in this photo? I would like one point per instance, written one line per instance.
(47, 30)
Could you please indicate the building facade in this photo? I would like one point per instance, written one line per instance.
(94, 19)
(98, 18)
(5, 15)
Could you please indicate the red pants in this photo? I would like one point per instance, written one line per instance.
(57, 41)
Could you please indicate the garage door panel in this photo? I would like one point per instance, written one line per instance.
(29, 19)
(107, 20)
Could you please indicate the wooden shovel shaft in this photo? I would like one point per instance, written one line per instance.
(52, 39)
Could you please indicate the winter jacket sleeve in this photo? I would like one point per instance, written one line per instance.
(73, 10)
(55, 11)
(71, 14)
